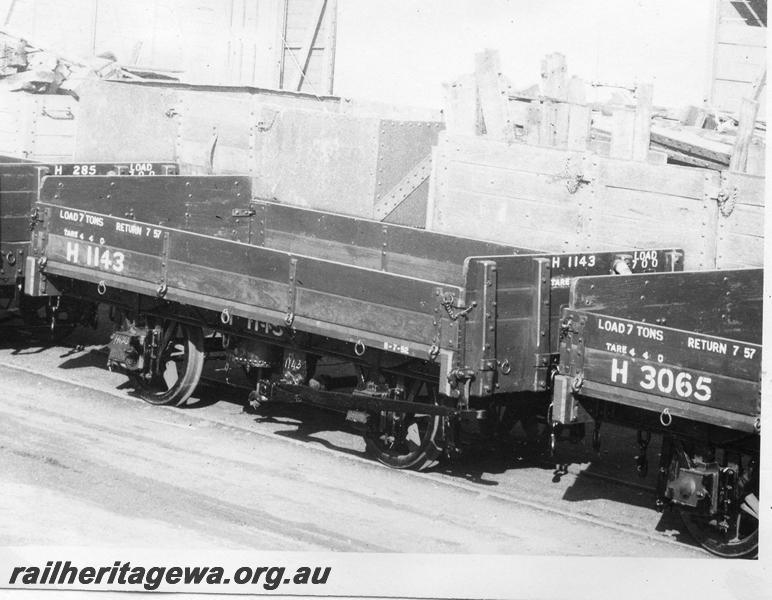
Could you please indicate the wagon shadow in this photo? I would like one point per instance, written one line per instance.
(305, 423)
(81, 359)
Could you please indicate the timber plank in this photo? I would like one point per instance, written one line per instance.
(622, 134)
(460, 106)
(668, 179)
(750, 188)
(547, 190)
(492, 96)
(722, 303)
(517, 157)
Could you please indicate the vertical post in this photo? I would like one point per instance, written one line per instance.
(494, 99)
(712, 51)
(622, 133)
(281, 43)
(748, 111)
(553, 74)
(10, 12)
(533, 123)
(759, 84)
(554, 119)
(460, 106)
(331, 14)
(307, 49)
(579, 115)
(642, 132)
(95, 13)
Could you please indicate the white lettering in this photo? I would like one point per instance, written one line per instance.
(616, 370)
(69, 215)
(650, 333)
(72, 252)
(706, 345)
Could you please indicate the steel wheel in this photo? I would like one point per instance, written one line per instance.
(739, 537)
(174, 376)
(407, 441)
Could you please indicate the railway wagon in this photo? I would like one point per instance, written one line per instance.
(425, 340)
(20, 181)
(678, 354)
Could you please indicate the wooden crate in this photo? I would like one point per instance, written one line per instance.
(324, 153)
(37, 126)
(569, 201)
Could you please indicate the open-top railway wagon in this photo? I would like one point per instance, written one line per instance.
(20, 182)
(678, 354)
(440, 335)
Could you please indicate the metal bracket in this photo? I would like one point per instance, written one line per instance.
(400, 192)
(289, 318)
(237, 213)
(727, 200)
(64, 114)
(163, 285)
(268, 118)
(723, 193)
(455, 312)
(34, 219)
(574, 178)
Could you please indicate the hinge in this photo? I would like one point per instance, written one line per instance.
(243, 212)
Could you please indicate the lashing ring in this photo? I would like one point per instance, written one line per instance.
(505, 367)
(101, 288)
(225, 316)
(757, 424)
(359, 348)
(10, 258)
(666, 418)
(161, 290)
(434, 351)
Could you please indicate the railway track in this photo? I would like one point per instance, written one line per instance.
(225, 411)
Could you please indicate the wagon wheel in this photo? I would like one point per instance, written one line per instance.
(407, 441)
(174, 376)
(739, 537)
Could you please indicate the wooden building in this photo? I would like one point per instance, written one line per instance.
(739, 51)
(266, 43)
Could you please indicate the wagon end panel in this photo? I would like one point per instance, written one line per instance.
(672, 372)
(18, 187)
(566, 267)
(204, 204)
(506, 337)
(722, 303)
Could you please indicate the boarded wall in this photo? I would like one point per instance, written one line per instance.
(249, 42)
(739, 53)
(37, 127)
(559, 200)
(324, 153)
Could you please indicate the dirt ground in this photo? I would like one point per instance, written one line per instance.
(96, 466)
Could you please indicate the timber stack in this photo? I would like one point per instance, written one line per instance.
(583, 175)
(537, 167)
